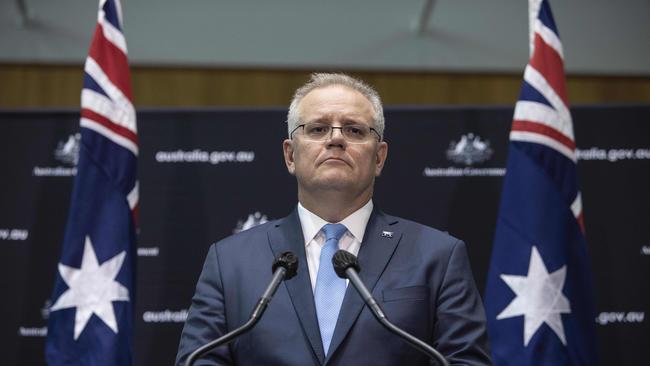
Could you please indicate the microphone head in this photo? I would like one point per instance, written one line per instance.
(343, 260)
(289, 261)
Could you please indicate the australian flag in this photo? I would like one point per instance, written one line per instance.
(91, 317)
(539, 297)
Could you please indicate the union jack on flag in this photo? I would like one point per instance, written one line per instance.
(539, 296)
(91, 317)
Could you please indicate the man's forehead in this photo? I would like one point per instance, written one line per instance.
(333, 99)
(342, 118)
(331, 89)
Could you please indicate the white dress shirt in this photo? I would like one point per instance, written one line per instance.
(315, 239)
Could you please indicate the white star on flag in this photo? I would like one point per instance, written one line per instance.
(92, 288)
(539, 298)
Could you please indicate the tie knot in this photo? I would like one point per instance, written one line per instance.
(334, 231)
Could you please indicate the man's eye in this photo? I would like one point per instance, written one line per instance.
(317, 129)
(356, 131)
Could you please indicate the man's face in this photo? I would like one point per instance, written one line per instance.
(335, 164)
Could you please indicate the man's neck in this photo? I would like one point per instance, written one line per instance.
(333, 206)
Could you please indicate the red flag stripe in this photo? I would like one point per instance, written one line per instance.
(135, 212)
(117, 129)
(549, 63)
(112, 61)
(531, 126)
(581, 223)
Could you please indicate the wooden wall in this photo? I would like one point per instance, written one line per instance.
(30, 86)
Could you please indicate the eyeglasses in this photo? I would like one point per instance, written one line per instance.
(354, 134)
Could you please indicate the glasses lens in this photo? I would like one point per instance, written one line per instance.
(317, 131)
(356, 133)
(351, 133)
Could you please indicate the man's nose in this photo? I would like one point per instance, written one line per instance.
(336, 133)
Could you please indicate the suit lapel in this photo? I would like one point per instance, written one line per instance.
(379, 243)
(287, 236)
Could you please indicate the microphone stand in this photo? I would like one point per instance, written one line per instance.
(286, 262)
(347, 266)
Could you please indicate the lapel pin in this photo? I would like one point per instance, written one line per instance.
(386, 234)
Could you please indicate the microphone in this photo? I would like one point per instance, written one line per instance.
(346, 265)
(284, 267)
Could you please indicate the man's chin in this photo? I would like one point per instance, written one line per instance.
(332, 183)
(333, 163)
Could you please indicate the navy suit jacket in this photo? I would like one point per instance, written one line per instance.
(420, 276)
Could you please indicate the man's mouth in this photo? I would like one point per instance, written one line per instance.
(334, 160)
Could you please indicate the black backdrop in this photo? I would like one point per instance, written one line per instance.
(205, 173)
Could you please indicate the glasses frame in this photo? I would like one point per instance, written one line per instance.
(340, 128)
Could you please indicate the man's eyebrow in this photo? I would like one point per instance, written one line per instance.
(350, 121)
(328, 120)
(318, 120)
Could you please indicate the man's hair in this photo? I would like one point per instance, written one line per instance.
(321, 80)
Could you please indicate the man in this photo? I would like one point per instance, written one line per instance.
(420, 276)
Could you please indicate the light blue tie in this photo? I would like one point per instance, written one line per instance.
(330, 289)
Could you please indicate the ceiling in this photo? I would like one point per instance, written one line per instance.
(599, 36)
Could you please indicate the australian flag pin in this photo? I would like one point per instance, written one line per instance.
(386, 234)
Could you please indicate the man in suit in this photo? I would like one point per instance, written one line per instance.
(420, 276)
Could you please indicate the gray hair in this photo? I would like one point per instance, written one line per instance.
(321, 80)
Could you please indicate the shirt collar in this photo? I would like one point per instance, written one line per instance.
(355, 223)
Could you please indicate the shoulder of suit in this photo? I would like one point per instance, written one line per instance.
(252, 235)
(411, 227)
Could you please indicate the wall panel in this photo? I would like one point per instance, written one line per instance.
(59, 86)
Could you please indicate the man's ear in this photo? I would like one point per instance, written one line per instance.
(288, 150)
(380, 157)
